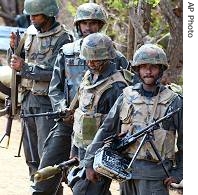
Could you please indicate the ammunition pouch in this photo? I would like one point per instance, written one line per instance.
(85, 127)
(36, 87)
(40, 87)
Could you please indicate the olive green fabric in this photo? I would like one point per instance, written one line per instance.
(97, 46)
(46, 7)
(90, 11)
(149, 54)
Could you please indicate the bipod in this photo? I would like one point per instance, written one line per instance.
(20, 144)
(147, 138)
(9, 122)
(33, 163)
(7, 132)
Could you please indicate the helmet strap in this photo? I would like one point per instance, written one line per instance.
(79, 32)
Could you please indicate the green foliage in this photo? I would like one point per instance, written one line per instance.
(158, 24)
(116, 4)
(180, 81)
(154, 3)
(71, 9)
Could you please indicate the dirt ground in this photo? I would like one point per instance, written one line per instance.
(14, 179)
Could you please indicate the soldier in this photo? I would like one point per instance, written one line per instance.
(99, 89)
(42, 41)
(138, 106)
(67, 75)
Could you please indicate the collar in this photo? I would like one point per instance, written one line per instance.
(139, 88)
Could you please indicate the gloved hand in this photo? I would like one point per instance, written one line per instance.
(69, 117)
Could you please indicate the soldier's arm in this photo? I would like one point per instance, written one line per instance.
(57, 88)
(177, 123)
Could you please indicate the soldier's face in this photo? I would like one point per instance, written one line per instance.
(96, 66)
(149, 73)
(89, 26)
(39, 21)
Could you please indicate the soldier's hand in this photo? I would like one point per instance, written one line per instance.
(92, 176)
(69, 119)
(16, 62)
(169, 180)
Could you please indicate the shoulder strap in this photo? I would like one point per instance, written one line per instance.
(116, 77)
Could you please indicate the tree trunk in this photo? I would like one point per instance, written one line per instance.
(174, 17)
(130, 41)
(9, 10)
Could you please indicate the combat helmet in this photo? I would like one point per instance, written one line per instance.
(90, 11)
(46, 7)
(149, 54)
(97, 46)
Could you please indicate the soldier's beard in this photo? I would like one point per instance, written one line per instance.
(86, 33)
(98, 69)
(37, 26)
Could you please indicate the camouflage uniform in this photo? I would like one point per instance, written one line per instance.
(132, 111)
(96, 97)
(40, 53)
(68, 71)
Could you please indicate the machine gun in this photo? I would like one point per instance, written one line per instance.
(51, 171)
(110, 162)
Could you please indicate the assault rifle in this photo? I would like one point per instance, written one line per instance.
(110, 162)
(48, 115)
(51, 171)
(12, 92)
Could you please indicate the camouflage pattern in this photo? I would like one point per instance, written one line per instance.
(164, 140)
(98, 46)
(86, 120)
(75, 68)
(149, 54)
(38, 51)
(46, 7)
(90, 11)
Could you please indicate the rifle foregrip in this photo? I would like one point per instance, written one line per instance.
(46, 173)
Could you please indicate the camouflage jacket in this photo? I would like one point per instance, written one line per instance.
(68, 72)
(41, 50)
(143, 169)
(105, 100)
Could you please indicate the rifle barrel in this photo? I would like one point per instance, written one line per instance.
(132, 138)
(41, 114)
(156, 122)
